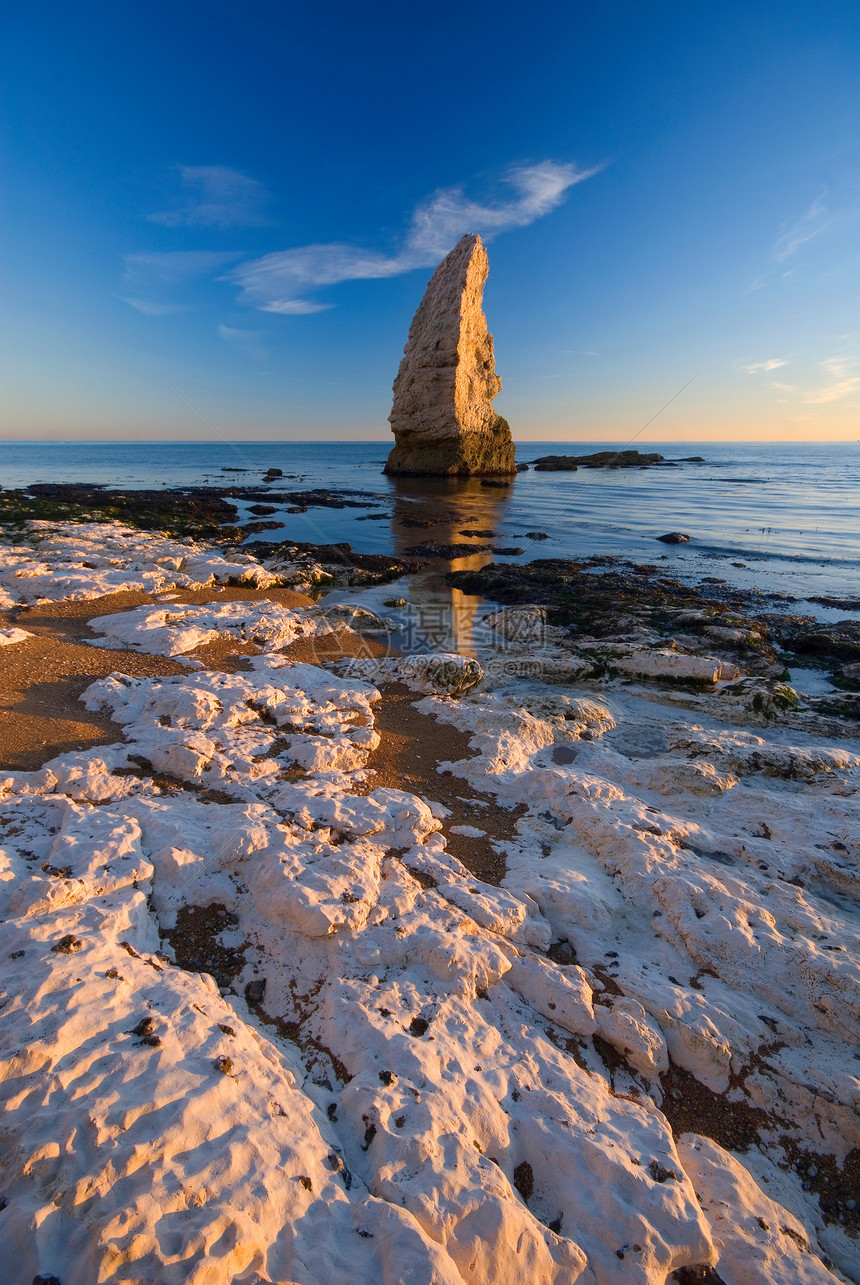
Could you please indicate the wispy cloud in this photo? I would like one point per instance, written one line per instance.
(216, 197)
(842, 379)
(177, 265)
(277, 282)
(151, 307)
(756, 367)
(248, 341)
(816, 220)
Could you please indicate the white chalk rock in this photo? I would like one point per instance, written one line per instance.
(625, 1025)
(437, 674)
(519, 624)
(562, 995)
(11, 635)
(759, 1241)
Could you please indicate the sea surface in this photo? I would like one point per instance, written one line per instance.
(781, 517)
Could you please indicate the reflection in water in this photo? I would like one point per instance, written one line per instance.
(438, 510)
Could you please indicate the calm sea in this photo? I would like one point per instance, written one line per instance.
(783, 517)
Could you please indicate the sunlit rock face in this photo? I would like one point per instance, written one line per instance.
(443, 418)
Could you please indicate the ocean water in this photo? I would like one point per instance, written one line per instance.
(781, 517)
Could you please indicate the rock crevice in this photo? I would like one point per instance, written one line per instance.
(442, 418)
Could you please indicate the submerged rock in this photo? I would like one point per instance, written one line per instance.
(674, 537)
(442, 417)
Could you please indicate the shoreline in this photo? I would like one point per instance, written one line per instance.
(461, 944)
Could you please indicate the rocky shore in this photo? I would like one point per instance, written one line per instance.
(335, 955)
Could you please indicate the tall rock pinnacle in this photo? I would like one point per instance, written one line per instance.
(442, 418)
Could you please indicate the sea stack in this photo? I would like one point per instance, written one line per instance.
(442, 418)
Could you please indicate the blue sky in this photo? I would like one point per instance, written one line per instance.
(242, 205)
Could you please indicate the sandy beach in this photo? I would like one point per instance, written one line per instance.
(326, 961)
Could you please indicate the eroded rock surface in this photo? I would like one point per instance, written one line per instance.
(262, 1023)
(443, 418)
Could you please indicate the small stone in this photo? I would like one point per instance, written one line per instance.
(223, 1064)
(387, 1077)
(418, 1026)
(255, 990)
(524, 1180)
(68, 945)
(674, 537)
(225, 1029)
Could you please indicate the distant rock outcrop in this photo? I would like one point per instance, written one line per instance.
(442, 418)
(602, 459)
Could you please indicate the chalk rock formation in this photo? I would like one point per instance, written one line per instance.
(443, 418)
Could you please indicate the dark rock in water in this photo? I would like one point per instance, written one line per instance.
(431, 549)
(522, 468)
(837, 705)
(838, 639)
(674, 537)
(338, 560)
(482, 535)
(421, 522)
(601, 459)
(227, 468)
(494, 481)
(841, 604)
(271, 473)
(513, 552)
(255, 990)
(261, 510)
(188, 510)
(254, 528)
(536, 535)
(46, 1280)
(372, 517)
(555, 464)
(692, 459)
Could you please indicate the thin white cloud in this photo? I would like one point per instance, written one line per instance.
(249, 341)
(842, 381)
(296, 307)
(815, 221)
(276, 282)
(177, 265)
(757, 367)
(151, 308)
(217, 197)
